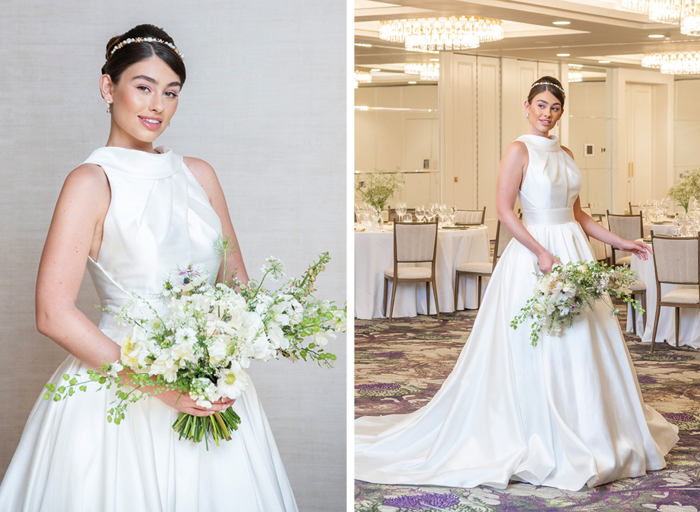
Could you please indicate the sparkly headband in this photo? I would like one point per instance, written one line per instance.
(547, 83)
(145, 40)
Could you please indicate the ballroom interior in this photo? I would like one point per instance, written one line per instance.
(438, 121)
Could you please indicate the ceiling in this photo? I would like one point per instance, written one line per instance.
(599, 30)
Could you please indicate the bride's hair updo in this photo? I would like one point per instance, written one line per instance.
(547, 83)
(140, 43)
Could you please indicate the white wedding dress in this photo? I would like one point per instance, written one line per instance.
(565, 414)
(70, 459)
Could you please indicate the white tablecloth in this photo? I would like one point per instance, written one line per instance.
(659, 229)
(690, 318)
(374, 252)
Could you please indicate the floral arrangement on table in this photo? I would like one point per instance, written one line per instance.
(207, 339)
(686, 189)
(567, 290)
(378, 187)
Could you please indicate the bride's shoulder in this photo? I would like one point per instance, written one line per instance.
(567, 151)
(87, 179)
(204, 174)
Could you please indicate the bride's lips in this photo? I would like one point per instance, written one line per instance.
(546, 122)
(152, 123)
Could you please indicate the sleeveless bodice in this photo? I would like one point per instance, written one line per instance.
(159, 218)
(551, 184)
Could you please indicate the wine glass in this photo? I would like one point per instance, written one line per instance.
(401, 210)
(420, 212)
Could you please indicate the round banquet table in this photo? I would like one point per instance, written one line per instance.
(665, 228)
(374, 252)
(690, 318)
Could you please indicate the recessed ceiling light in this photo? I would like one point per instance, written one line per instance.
(434, 60)
(375, 69)
(412, 82)
(363, 44)
(656, 36)
(563, 54)
(604, 61)
(561, 23)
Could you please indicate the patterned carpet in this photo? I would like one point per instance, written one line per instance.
(399, 367)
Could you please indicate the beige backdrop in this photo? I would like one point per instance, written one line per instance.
(264, 103)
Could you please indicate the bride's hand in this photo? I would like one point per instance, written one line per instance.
(639, 249)
(183, 403)
(546, 261)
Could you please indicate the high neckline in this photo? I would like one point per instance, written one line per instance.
(136, 163)
(543, 143)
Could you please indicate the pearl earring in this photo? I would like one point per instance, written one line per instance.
(527, 116)
(109, 108)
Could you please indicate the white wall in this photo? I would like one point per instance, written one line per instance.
(391, 140)
(264, 103)
(586, 110)
(686, 126)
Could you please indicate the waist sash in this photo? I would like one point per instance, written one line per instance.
(548, 217)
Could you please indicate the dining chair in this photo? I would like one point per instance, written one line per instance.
(639, 288)
(676, 261)
(600, 249)
(413, 243)
(587, 209)
(483, 268)
(470, 216)
(634, 208)
(629, 227)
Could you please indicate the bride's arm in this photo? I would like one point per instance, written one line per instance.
(205, 175)
(77, 222)
(76, 233)
(511, 172)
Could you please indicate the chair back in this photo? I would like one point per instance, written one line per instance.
(629, 227)
(503, 238)
(676, 259)
(634, 208)
(470, 216)
(415, 242)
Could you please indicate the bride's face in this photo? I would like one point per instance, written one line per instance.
(543, 113)
(143, 101)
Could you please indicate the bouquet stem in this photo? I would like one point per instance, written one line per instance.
(218, 425)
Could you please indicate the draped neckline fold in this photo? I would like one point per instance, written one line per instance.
(139, 164)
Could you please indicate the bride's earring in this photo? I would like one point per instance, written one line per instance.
(109, 108)
(527, 116)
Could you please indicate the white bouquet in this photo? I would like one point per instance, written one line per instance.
(207, 339)
(567, 290)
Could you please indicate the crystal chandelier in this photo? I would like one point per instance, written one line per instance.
(363, 77)
(665, 11)
(674, 63)
(426, 71)
(453, 33)
(575, 74)
(690, 18)
(685, 12)
(636, 5)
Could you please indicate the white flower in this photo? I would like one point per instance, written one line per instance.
(166, 366)
(134, 348)
(204, 392)
(233, 383)
(276, 336)
(321, 338)
(114, 369)
(218, 350)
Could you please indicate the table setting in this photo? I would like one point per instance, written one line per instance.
(374, 252)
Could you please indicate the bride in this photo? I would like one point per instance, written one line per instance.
(567, 413)
(134, 212)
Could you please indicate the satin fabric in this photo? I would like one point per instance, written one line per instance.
(70, 459)
(566, 414)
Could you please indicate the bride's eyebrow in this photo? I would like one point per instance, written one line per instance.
(154, 81)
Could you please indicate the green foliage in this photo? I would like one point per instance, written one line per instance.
(378, 187)
(687, 188)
